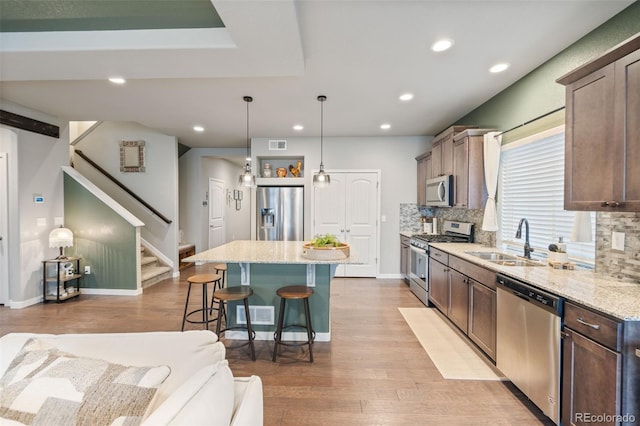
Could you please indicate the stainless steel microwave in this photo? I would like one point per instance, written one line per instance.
(440, 191)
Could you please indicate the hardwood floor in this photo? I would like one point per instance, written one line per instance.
(373, 372)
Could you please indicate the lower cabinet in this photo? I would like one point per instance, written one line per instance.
(466, 294)
(590, 379)
(592, 367)
(458, 299)
(439, 280)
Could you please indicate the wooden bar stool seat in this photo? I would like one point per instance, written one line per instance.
(229, 294)
(204, 280)
(294, 292)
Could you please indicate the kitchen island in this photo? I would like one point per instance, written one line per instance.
(266, 266)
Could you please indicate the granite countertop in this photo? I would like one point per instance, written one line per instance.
(619, 299)
(289, 252)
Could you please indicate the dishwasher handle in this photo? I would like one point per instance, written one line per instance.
(520, 295)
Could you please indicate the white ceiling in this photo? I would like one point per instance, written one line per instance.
(361, 54)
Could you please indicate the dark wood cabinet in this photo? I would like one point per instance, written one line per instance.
(459, 299)
(482, 317)
(600, 368)
(437, 162)
(466, 294)
(439, 280)
(603, 131)
(468, 169)
(590, 380)
(424, 173)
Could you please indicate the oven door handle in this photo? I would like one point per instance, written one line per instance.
(418, 250)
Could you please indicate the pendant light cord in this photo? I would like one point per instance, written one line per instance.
(248, 99)
(322, 98)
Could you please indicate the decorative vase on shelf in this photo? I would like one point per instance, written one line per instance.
(266, 171)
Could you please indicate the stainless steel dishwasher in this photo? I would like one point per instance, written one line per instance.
(528, 344)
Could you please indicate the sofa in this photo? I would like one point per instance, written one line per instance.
(153, 378)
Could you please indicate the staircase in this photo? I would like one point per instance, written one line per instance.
(152, 270)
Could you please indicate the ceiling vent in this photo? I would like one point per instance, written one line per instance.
(278, 145)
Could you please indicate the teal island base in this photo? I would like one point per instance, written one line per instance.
(264, 305)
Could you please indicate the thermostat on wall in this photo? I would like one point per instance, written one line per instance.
(38, 199)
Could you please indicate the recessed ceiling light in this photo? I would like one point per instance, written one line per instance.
(198, 128)
(442, 45)
(298, 127)
(406, 96)
(117, 80)
(385, 126)
(499, 67)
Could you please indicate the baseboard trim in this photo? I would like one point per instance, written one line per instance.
(110, 292)
(25, 303)
(268, 335)
(389, 276)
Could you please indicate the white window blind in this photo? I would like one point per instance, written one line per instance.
(531, 186)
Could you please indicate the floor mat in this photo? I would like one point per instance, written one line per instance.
(453, 357)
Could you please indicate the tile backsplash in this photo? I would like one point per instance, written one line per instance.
(621, 265)
(410, 220)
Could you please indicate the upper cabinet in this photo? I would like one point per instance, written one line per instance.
(468, 169)
(424, 173)
(438, 161)
(442, 151)
(602, 141)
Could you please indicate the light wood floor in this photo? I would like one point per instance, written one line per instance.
(373, 372)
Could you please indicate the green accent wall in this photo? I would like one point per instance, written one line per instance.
(537, 93)
(104, 240)
(266, 279)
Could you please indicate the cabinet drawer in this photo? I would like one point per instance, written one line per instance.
(476, 272)
(598, 327)
(439, 255)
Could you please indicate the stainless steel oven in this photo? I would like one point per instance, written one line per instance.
(454, 232)
(419, 273)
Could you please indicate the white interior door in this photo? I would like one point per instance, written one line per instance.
(361, 222)
(328, 212)
(4, 243)
(348, 208)
(216, 213)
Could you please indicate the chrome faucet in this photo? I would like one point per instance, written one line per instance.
(527, 246)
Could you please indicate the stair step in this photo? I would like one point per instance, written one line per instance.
(146, 260)
(153, 271)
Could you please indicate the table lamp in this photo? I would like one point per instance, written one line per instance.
(60, 238)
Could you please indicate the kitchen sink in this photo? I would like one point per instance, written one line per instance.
(503, 259)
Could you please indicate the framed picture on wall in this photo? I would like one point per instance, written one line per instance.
(132, 156)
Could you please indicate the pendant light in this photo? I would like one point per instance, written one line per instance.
(321, 179)
(247, 178)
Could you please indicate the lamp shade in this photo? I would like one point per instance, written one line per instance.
(60, 237)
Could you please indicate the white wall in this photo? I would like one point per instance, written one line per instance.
(196, 167)
(34, 168)
(157, 185)
(394, 156)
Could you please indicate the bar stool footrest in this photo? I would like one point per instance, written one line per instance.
(200, 321)
(294, 343)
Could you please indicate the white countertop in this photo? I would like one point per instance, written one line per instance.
(618, 299)
(289, 252)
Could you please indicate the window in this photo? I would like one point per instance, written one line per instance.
(531, 186)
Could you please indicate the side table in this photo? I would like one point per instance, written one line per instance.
(61, 279)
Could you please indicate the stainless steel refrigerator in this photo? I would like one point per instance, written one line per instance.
(280, 213)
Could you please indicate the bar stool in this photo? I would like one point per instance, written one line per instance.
(203, 280)
(291, 293)
(220, 267)
(231, 294)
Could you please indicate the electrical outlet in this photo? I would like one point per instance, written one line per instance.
(87, 270)
(617, 241)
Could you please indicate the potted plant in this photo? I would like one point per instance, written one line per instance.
(325, 247)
